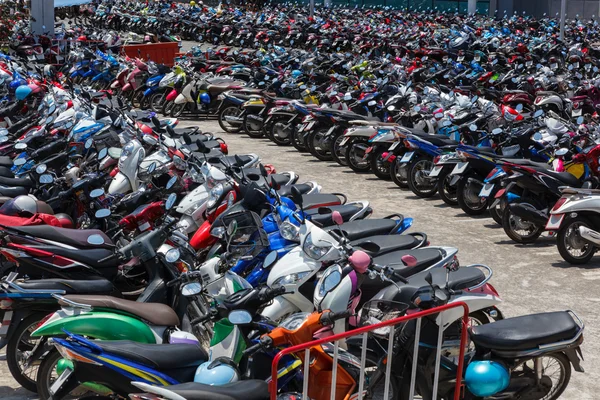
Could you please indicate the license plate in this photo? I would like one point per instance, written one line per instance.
(407, 157)
(393, 146)
(554, 222)
(344, 141)
(61, 380)
(459, 168)
(529, 63)
(577, 113)
(436, 171)
(486, 190)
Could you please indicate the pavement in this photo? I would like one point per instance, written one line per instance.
(530, 278)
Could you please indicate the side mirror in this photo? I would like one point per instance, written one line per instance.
(46, 178)
(473, 127)
(429, 279)
(274, 184)
(240, 317)
(94, 194)
(170, 201)
(497, 131)
(171, 183)
(40, 169)
(519, 107)
(20, 146)
(296, 196)
(150, 140)
(88, 143)
(337, 218)
(95, 239)
(538, 113)
(102, 153)
(232, 228)
(580, 120)
(151, 168)
(238, 161)
(102, 213)
(156, 122)
(270, 260)
(190, 289)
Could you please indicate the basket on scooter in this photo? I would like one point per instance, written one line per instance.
(376, 311)
(249, 239)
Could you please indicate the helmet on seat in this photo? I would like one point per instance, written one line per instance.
(218, 372)
(65, 220)
(20, 206)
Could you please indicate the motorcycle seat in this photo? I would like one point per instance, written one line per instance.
(6, 161)
(72, 237)
(547, 93)
(320, 200)
(483, 150)
(252, 389)
(286, 191)
(525, 332)
(230, 160)
(161, 357)
(70, 286)
(425, 258)
(322, 215)
(155, 313)
(364, 228)
(441, 140)
(526, 162)
(17, 182)
(382, 244)
(565, 177)
(13, 192)
(462, 278)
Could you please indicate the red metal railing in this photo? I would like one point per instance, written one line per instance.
(363, 330)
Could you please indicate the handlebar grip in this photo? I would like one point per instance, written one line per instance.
(329, 317)
(173, 282)
(200, 319)
(253, 349)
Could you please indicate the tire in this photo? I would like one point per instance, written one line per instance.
(137, 97)
(45, 375)
(229, 111)
(353, 160)
(371, 361)
(249, 126)
(338, 152)
(281, 133)
(562, 361)
(15, 348)
(447, 192)
(145, 102)
(177, 110)
(297, 141)
(157, 100)
(166, 108)
(510, 223)
(568, 239)
(380, 168)
(314, 137)
(466, 195)
(417, 182)
(398, 173)
(496, 213)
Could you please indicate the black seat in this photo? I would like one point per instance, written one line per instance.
(158, 356)
(526, 162)
(526, 332)
(286, 191)
(13, 192)
(17, 182)
(72, 237)
(565, 177)
(440, 140)
(319, 200)
(364, 228)
(322, 215)
(425, 258)
(69, 286)
(230, 160)
(483, 150)
(382, 244)
(88, 257)
(252, 389)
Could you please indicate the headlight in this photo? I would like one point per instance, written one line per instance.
(127, 150)
(331, 278)
(192, 209)
(215, 194)
(289, 231)
(314, 252)
(152, 83)
(291, 278)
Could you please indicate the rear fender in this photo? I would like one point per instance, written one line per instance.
(575, 356)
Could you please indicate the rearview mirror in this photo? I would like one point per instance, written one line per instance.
(40, 169)
(151, 168)
(240, 317)
(102, 153)
(170, 201)
(95, 239)
(88, 143)
(19, 161)
(171, 183)
(497, 131)
(173, 255)
(472, 127)
(46, 178)
(232, 228)
(190, 289)
(102, 213)
(263, 171)
(94, 194)
(270, 260)
(580, 120)
(20, 146)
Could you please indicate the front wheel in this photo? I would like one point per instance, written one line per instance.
(252, 127)
(226, 116)
(338, 152)
(418, 178)
(518, 229)
(177, 110)
(18, 351)
(355, 151)
(399, 173)
(297, 140)
(447, 192)
(282, 131)
(571, 246)
(467, 195)
(555, 370)
(48, 374)
(316, 145)
(380, 168)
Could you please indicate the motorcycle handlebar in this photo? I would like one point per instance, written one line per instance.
(271, 293)
(329, 317)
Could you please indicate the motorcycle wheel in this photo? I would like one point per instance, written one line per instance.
(547, 389)
(398, 173)
(298, 142)
(177, 110)
(418, 183)
(380, 168)
(252, 128)
(166, 108)
(314, 141)
(157, 101)
(47, 376)
(447, 192)
(496, 212)
(338, 153)
(467, 195)
(518, 230)
(355, 161)
(229, 111)
(17, 350)
(137, 97)
(145, 102)
(282, 132)
(571, 246)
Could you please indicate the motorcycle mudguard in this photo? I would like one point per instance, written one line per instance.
(149, 91)
(172, 95)
(202, 239)
(127, 88)
(180, 99)
(115, 85)
(119, 185)
(101, 325)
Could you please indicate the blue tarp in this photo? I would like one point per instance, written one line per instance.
(67, 3)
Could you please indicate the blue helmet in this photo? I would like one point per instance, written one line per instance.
(486, 378)
(205, 98)
(22, 92)
(296, 73)
(218, 372)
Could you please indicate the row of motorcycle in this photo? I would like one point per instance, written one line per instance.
(141, 259)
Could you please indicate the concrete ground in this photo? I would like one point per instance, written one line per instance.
(529, 278)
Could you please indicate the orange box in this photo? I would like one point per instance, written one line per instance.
(162, 53)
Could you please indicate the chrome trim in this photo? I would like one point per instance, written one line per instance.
(41, 291)
(486, 280)
(71, 302)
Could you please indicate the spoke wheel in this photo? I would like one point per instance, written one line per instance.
(571, 246)
(418, 178)
(19, 349)
(230, 112)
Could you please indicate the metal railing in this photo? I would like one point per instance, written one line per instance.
(364, 331)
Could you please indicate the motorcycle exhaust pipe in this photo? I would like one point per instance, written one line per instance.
(529, 213)
(589, 235)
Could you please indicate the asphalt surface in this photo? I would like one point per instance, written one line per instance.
(530, 278)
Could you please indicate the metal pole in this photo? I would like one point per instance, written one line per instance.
(563, 12)
(312, 8)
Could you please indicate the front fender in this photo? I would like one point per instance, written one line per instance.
(98, 325)
(202, 239)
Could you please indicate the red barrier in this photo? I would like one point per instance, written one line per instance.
(161, 53)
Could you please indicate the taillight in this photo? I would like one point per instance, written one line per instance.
(492, 173)
(576, 105)
(538, 99)
(559, 203)
(6, 305)
(224, 148)
(436, 159)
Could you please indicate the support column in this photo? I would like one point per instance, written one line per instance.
(42, 17)
(493, 7)
(563, 12)
(472, 7)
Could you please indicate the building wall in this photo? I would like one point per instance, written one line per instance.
(585, 8)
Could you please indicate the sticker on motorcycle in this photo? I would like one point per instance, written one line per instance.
(367, 152)
(344, 141)
(576, 112)
(486, 190)
(554, 222)
(436, 171)
(60, 381)
(459, 168)
(393, 146)
(407, 157)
